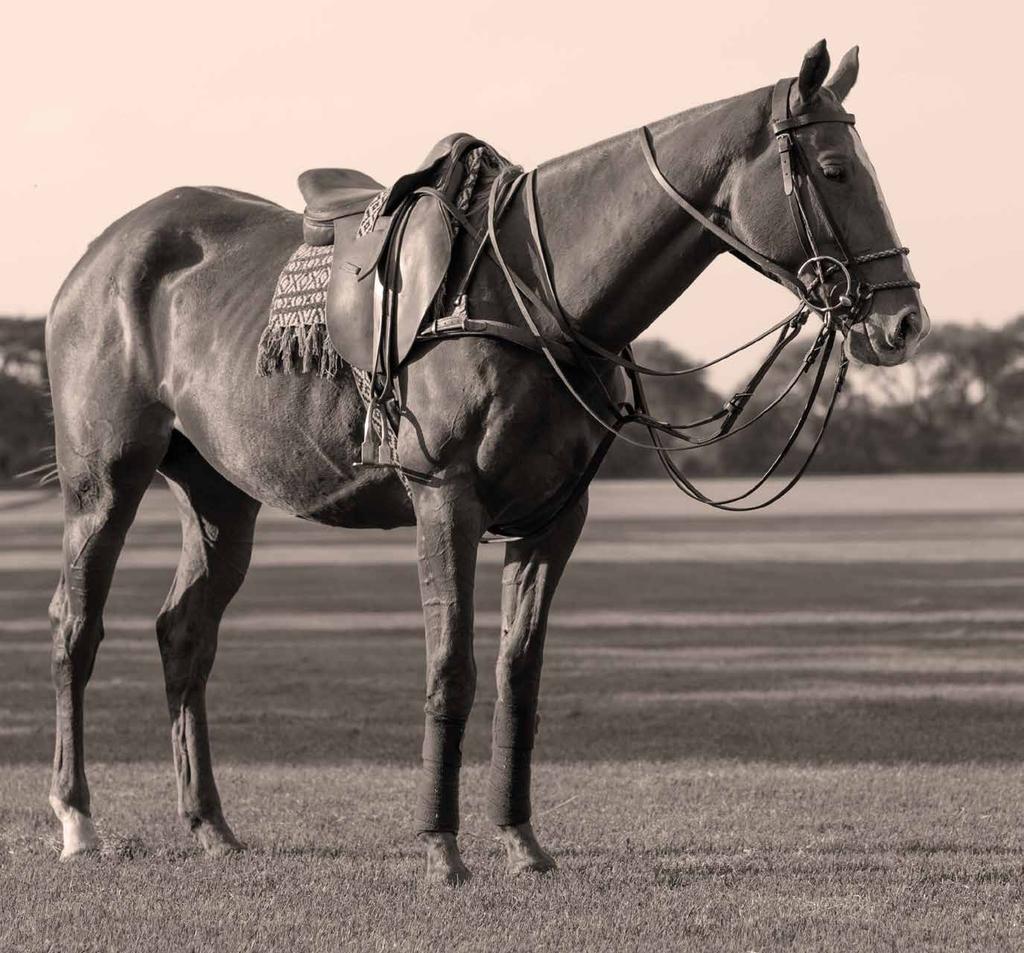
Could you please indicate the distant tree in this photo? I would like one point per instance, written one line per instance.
(22, 353)
(25, 428)
(958, 405)
(26, 432)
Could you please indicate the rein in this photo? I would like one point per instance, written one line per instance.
(824, 284)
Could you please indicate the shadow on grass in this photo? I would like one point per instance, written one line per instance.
(880, 693)
(932, 730)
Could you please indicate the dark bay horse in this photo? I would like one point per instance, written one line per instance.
(151, 345)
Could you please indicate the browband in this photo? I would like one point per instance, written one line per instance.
(781, 119)
(810, 119)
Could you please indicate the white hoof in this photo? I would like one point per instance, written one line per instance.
(79, 831)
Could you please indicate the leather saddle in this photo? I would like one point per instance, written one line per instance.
(384, 280)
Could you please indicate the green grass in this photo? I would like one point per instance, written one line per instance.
(741, 783)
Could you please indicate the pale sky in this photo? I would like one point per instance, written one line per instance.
(107, 104)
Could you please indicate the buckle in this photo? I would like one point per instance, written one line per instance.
(785, 142)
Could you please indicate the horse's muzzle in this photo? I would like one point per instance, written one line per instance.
(889, 339)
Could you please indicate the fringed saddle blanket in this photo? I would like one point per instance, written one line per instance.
(295, 340)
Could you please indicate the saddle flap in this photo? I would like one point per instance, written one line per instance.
(424, 257)
(418, 243)
(350, 301)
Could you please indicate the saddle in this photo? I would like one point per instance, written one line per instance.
(392, 250)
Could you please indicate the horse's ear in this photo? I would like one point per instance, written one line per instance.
(846, 74)
(813, 71)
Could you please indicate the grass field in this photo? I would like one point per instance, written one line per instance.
(793, 731)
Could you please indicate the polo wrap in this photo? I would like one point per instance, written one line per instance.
(508, 798)
(437, 800)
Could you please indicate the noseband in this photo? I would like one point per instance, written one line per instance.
(824, 283)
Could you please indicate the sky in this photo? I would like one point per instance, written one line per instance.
(107, 104)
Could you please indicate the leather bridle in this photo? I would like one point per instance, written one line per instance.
(825, 284)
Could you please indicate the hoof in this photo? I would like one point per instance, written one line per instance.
(444, 863)
(216, 838)
(79, 832)
(524, 854)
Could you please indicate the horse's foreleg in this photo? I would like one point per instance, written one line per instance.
(449, 525)
(217, 522)
(533, 569)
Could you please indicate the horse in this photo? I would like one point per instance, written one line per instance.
(150, 347)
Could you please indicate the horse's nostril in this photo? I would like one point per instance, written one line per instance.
(906, 327)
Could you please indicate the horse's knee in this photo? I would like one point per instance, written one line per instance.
(451, 685)
(517, 671)
(83, 491)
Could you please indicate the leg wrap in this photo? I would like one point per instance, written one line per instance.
(508, 799)
(437, 801)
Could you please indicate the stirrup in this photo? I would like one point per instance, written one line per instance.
(369, 452)
(375, 451)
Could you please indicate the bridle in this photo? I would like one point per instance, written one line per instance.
(825, 284)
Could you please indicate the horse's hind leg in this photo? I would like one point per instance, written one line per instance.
(104, 471)
(217, 521)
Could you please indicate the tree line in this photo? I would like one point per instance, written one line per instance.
(957, 406)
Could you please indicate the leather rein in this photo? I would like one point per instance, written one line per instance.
(824, 284)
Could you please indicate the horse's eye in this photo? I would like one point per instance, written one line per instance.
(835, 173)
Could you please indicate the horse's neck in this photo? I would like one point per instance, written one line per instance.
(621, 251)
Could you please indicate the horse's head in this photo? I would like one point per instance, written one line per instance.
(846, 215)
